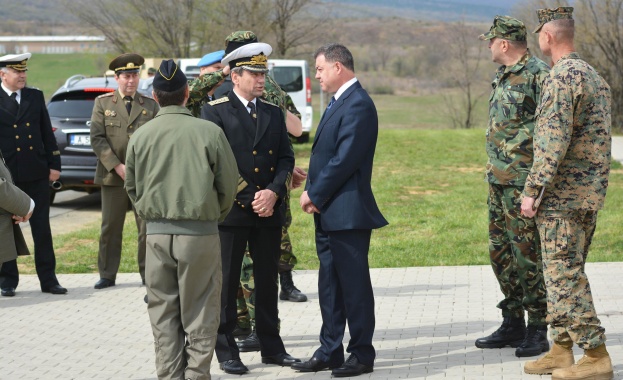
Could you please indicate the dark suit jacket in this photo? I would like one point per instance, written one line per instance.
(26, 140)
(264, 156)
(340, 166)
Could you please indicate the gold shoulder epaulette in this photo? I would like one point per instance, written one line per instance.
(107, 94)
(267, 102)
(219, 101)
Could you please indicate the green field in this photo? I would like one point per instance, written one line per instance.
(428, 182)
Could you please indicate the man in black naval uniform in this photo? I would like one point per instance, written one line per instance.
(258, 137)
(29, 148)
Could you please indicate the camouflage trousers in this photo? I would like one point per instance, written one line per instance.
(566, 237)
(515, 254)
(245, 302)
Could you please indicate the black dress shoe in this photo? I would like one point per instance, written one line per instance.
(145, 299)
(55, 289)
(234, 367)
(249, 344)
(104, 283)
(351, 367)
(8, 292)
(283, 359)
(239, 331)
(313, 365)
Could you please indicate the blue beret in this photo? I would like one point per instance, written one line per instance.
(211, 58)
(169, 77)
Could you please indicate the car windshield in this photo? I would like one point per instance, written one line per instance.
(290, 79)
(73, 105)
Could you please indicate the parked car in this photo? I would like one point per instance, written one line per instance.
(70, 110)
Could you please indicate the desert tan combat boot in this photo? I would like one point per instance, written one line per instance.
(559, 356)
(594, 365)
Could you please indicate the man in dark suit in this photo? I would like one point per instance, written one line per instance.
(257, 134)
(29, 147)
(339, 195)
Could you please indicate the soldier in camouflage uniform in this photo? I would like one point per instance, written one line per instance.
(567, 186)
(245, 301)
(514, 246)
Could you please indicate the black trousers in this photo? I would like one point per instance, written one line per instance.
(45, 262)
(264, 243)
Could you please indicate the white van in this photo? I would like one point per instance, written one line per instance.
(189, 66)
(292, 75)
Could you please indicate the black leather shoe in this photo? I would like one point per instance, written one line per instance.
(55, 289)
(8, 292)
(239, 331)
(313, 365)
(145, 299)
(289, 292)
(233, 367)
(511, 333)
(351, 367)
(535, 342)
(283, 359)
(104, 283)
(249, 344)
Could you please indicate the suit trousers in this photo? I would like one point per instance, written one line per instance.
(184, 280)
(45, 261)
(345, 294)
(115, 202)
(264, 248)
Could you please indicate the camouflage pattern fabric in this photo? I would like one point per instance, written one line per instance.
(199, 88)
(547, 15)
(566, 237)
(512, 105)
(245, 302)
(514, 249)
(572, 162)
(572, 138)
(507, 28)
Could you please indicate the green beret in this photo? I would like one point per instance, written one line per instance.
(507, 28)
(547, 15)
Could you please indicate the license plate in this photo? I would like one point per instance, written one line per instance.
(80, 140)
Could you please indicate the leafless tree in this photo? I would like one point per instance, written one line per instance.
(289, 28)
(465, 73)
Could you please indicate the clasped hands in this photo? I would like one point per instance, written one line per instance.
(307, 205)
(21, 219)
(264, 203)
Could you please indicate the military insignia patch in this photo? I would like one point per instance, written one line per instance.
(113, 113)
(219, 101)
(107, 113)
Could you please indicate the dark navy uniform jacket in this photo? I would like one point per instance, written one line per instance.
(263, 153)
(26, 140)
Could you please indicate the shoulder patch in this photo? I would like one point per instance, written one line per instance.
(106, 95)
(267, 102)
(219, 101)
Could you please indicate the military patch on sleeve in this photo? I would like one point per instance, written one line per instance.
(267, 102)
(219, 101)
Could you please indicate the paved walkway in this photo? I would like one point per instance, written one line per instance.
(427, 320)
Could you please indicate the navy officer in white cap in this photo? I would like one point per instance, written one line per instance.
(256, 131)
(31, 153)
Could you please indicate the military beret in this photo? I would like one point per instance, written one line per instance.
(252, 57)
(169, 77)
(15, 61)
(130, 62)
(507, 28)
(211, 58)
(238, 39)
(547, 15)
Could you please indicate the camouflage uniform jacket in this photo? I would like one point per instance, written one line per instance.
(512, 106)
(572, 138)
(200, 86)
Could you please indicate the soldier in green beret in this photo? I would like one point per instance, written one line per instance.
(514, 247)
(565, 189)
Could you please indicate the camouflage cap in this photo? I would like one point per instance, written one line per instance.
(507, 28)
(238, 39)
(547, 15)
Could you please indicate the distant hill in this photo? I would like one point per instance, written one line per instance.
(443, 10)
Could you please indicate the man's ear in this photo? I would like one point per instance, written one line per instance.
(153, 95)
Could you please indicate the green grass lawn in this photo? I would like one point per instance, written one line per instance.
(428, 184)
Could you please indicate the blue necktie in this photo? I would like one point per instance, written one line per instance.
(331, 103)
